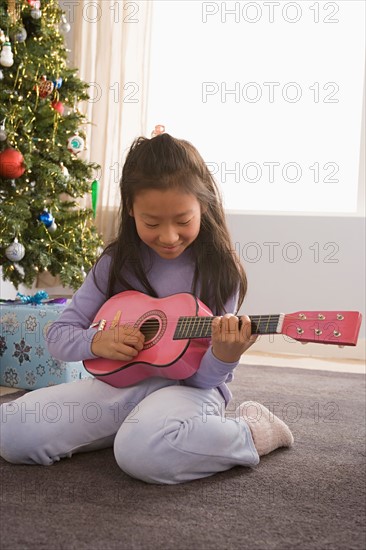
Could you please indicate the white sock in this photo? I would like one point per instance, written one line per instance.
(268, 431)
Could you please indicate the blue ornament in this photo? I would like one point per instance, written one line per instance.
(58, 82)
(46, 218)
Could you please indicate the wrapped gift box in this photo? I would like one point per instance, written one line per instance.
(24, 359)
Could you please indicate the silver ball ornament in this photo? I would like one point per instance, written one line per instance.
(20, 35)
(15, 252)
(52, 228)
(36, 13)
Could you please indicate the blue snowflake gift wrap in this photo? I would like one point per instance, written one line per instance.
(24, 359)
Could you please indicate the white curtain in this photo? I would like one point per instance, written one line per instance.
(111, 47)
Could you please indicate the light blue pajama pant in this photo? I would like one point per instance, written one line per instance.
(162, 431)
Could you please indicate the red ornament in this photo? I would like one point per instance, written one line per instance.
(58, 106)
(11, 164)
(45, 87)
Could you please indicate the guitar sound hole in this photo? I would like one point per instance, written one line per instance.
(149, 329)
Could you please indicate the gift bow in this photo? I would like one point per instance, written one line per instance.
(38, 298)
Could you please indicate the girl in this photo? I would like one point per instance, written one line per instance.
(172, 238)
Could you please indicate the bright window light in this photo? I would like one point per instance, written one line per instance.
(270, 93)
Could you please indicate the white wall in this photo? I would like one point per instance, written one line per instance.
(329, 272)
(277, 284)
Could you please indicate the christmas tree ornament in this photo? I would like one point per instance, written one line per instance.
(6, 56)
(75, 144)
(95, 194)
(3, 132)
(65, 171)
(1, 74)
(34, 4)
(58, 82)
(15, 252)
(20, 35)
(64, 25)
(58, 106)
(46, 218)
(83, 272)
(36, 13)
(159, 129)
(11, 164)
(45, 87)
(2, 37)
(52, 228)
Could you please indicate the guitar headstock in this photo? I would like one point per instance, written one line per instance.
(325, 327)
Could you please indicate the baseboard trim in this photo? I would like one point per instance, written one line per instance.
(281, 345)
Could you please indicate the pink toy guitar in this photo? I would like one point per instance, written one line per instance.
(177, 331)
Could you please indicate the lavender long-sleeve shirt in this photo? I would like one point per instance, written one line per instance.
(70, 338)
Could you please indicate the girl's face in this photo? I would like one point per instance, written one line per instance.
(167, 221)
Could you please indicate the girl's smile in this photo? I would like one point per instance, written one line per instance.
(167, 221)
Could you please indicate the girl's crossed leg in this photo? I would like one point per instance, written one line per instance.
(180, 433)
(48, 424)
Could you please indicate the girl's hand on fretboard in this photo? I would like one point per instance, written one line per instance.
(229, 341)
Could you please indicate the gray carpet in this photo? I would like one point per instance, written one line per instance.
(310, 497)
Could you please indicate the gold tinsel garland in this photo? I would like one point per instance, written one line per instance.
(12, 10)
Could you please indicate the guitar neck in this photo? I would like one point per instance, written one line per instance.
(201, 327)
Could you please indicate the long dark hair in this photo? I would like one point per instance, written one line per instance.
(162, 163)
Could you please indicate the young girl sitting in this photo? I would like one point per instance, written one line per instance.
(172, 238)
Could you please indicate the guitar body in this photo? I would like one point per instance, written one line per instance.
(162, 355)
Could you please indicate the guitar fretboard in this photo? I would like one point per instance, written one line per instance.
(200, 327)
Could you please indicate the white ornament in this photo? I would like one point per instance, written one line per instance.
(52, 227)
(15, 252)
(75, 144)
(65, 171)
(64, 25)
(20, 35)
(36, 13)
(6, 57)
(3, 132)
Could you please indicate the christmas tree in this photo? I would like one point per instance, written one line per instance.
(44, 224)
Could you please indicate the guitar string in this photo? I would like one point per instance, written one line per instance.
(267, 323)
(196, 325)
(253, 318)
(152, 323)
(208, 320)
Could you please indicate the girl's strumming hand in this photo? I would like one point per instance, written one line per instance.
(228, 342)
(123, 342)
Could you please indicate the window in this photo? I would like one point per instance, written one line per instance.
(270, 93)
